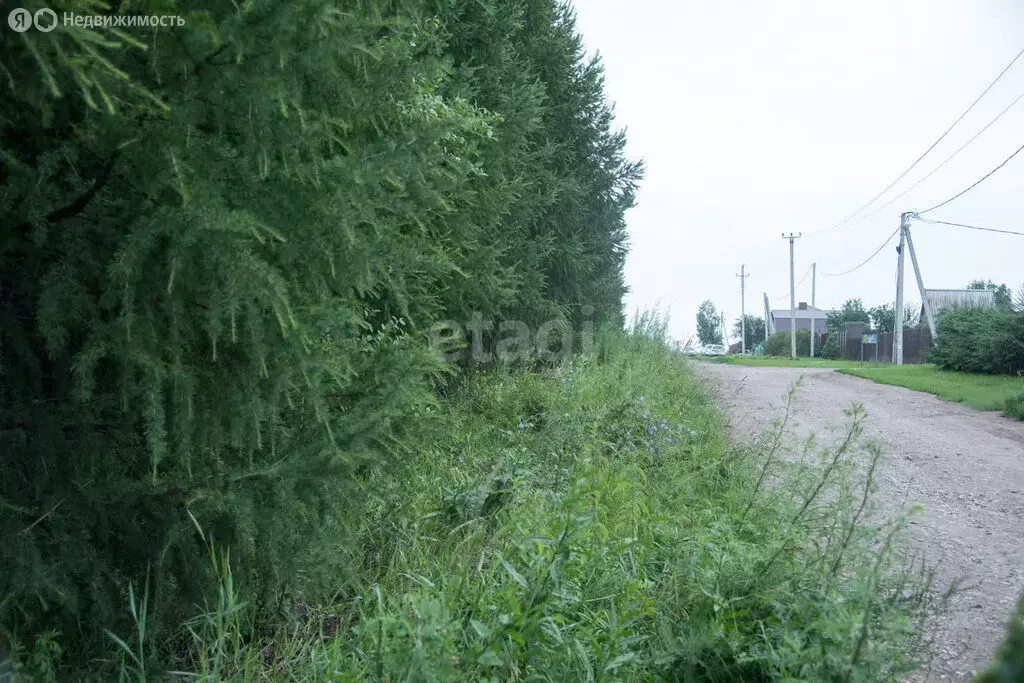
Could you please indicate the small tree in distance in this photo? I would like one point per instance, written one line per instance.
(912, 315)
(754, 330)
(852, 311)
(1003, 296)
(709, 330)
(883, 318)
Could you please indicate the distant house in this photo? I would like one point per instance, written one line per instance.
(782, 321)
(948, 299)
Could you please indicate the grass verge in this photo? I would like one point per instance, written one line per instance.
(1014, 406)
(987, 392)
(590, 524)
(785, 362)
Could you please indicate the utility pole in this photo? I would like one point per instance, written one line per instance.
(743, 308)
(792, 293)
(768, 331)
(725, 336)
(929, 314)
(814, 275)
(897, 337)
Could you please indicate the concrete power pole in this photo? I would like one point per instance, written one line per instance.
(725, 335)
(814, 275)
(928, 312)
(768, 327)
(792, 294)
(897, 337)
(743, 308)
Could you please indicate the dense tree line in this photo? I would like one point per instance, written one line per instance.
(222, 245)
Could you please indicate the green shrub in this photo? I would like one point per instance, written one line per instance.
(1008, 663)
(780, 344)
(830, 349)
(1014, 407)
(982, 340)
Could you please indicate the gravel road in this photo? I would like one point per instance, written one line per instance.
(965, 466)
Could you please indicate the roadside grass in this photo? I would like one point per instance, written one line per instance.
(1014, 406)
(786, 362)
(591, 523)
(986, 392)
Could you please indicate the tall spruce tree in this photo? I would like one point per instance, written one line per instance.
(556, 154)
(221, 245)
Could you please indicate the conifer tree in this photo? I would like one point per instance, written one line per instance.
(221, 246)
(210, 262)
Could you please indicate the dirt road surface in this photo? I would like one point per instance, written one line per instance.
(965, 466)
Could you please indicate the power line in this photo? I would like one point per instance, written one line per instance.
(971, 227)
(962, 147)
(925, 153)
(867, 260)
(980, 181)
(800, 282)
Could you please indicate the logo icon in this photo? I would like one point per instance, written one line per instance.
(21, 19)
(45, 19)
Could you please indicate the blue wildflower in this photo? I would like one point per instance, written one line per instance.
(522, 426)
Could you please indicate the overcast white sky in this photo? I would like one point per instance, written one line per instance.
(756, 118)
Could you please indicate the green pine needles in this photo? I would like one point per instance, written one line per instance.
(227, 447)
(222, 246)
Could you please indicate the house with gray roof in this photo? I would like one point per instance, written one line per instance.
(782, 321)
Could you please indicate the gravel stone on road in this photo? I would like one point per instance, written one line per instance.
(966, 467)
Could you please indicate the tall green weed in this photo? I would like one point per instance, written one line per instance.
(595, 523)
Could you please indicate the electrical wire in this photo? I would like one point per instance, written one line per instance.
(800, 282)
(924, 154)
(971, 227)
(979, 182)
(867, 260)
(962, 147)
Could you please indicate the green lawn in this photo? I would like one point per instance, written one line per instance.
(780, 361)
(987, 392)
